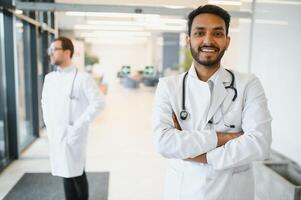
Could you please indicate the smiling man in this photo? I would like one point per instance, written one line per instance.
(211, 123)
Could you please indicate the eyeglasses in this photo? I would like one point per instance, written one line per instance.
(51, 50)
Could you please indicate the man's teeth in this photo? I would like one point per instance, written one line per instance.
(208, 50)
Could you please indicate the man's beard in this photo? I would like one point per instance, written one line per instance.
(56, 62)
(207, 63)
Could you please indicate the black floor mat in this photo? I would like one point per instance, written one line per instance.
(44, 186)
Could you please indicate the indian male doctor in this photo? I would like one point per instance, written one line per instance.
(210, 123)
(70, 101)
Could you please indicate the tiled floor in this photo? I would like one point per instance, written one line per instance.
(120, 142)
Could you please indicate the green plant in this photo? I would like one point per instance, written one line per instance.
(186, 64)
(91, 60)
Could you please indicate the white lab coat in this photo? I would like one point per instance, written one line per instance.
(67, 143)
(228, 174)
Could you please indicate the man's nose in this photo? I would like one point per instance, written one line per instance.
(208, 39)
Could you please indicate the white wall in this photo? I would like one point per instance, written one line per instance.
(237, 55)
(276, 53)
(231, 57)
(112, 57)
(276, 61)
(78, 58)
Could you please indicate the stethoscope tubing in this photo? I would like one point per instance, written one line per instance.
(184, 114)
(72, 97)
(72, 86)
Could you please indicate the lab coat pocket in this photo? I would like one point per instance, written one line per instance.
(234, 113)
(233, 117)
(173, 185)
(73, 136)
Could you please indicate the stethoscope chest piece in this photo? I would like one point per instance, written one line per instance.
(184, 115)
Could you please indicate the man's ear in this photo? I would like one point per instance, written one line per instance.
(187, 41)
(228, 39)
(68, 52)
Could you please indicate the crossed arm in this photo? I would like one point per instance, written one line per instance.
(220, 150)
(222, 139)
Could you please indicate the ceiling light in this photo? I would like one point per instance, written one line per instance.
(116, 41)
(264, 21)
(19, 12)
(174, 21)
(113, 28)
(166, 28)
(273, 22)
(109, 14)
(114, 33)
(279, 2)
(226, 3)
(174, 6)
(115, 23)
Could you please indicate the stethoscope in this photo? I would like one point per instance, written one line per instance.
(72, 97)
(184, 114)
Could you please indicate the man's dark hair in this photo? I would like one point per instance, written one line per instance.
(66, 44)
(211, 9)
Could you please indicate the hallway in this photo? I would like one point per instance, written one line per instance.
(120, 142)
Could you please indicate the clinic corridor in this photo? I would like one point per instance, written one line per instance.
(234, 133)
(119, 142)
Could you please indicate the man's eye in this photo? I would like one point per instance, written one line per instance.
(199, 33)
(218, 34)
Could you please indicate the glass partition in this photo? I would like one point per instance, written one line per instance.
(24, 107)
(3, 143)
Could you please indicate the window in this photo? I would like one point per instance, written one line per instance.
(24, 103)
(3, 143)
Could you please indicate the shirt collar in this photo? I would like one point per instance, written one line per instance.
(65, 69)
(213, 79)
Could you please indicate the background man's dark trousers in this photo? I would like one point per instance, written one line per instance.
(76, 188)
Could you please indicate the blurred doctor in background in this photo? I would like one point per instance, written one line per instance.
(70, 101)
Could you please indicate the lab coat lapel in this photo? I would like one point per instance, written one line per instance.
(219, 94)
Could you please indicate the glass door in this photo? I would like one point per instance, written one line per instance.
(3, 138)
(3, 152)
(25, 120)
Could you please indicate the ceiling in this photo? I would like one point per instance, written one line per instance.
(101, 26)
(186, 3)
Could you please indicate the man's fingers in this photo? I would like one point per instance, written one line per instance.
(174, 117)
(175, 121)
(200, 158)
(235, 135)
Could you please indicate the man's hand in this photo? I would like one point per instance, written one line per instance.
(223, 138)
(175, 122)
(200, 159)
